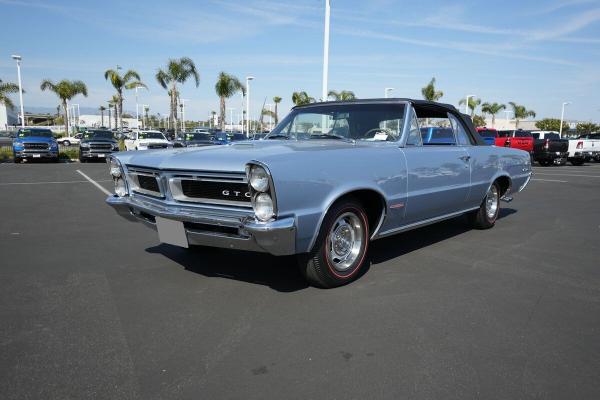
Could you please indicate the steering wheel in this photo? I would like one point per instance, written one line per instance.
(387, 131)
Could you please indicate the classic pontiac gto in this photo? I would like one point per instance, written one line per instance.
(330, 178)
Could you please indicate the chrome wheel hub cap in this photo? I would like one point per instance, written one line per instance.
(345, 241)
(491, 202)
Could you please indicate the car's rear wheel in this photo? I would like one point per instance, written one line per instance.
(487, 214)
(340, 250)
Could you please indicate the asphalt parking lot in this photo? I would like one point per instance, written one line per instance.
(94, 307)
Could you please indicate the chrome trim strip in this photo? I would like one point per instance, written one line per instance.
(419, 224)
(178, 195)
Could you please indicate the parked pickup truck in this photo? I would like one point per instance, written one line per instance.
(516, 139)
(549, 148)
(589, 144)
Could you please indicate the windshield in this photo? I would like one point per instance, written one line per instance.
(198, 136)
(487, 133)
(151, 135)
(98, 135)
(34, 133)
(373, 122)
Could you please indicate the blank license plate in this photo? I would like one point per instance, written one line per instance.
(171, 232)
(37, 155)
(101, 155)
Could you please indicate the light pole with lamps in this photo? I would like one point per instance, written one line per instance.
(248, 79)
(387, 91)
(562, 117)
(467, 103)
(326, 52)
(183, 114)
(231, 118)
(17, 58)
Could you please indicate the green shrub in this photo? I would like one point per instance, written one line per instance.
(69, 154)
(6, 153)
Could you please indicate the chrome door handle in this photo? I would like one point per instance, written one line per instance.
(465, 158)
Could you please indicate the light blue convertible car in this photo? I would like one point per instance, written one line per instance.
(329, 179)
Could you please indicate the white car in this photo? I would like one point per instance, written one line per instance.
(145, 140)
(69, 140)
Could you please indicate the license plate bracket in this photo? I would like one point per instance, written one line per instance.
(36, 155)
(171, 232)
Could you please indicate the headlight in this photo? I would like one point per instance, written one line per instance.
(116, 147)
(263, 207)
(84, 145)
(259, 179)
(115, 168)
(120, 187)
(18, 144)
(53, 145)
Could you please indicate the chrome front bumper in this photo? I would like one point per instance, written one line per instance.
(213, 228)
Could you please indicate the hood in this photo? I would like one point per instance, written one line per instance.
(35, 139)
(233, 157)
(146, 141)
(98, 140)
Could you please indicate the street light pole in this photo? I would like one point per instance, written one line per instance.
(183, 114)
(387, 91)
(231, 118)
(248, 79)
(137, 112)
(467, 103)
(562, 117)
(326, 51)
(17, 58)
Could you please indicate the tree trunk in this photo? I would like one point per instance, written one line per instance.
(222, 112)
(116, 115)
(276, 115)
(64, 104)
(174, 108)
(493, 120)
(101, 117)
(121, 110)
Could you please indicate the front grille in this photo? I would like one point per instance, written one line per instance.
(147, 182)
(101, 146)
(210, 190)
(157, 146)
(36, 146)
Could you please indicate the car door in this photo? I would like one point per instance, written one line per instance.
(438, 172)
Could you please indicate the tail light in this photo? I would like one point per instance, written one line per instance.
(546, 144)
(580, 145)
(507, 143)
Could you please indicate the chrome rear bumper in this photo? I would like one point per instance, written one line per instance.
(213, 229)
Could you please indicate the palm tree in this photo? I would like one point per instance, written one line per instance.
(429, 93)
(65, 90)
(226, 86)
(302, 98)
(473, 103)
(5, 89)
(492, 109)
(102, 109)
(177, 71)
(276, 100)
(520, 113)
(146, 109)
(342, 96)
(130, 80)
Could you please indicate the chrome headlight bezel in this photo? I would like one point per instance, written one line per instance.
(118, 175)
(258, 178)
(270, 191)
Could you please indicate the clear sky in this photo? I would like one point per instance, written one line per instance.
(536, 53)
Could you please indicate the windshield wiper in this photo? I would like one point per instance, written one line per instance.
(281, 136)
(331, 136)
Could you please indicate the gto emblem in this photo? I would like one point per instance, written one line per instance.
(235, 193)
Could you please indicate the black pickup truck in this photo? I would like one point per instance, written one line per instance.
(549, 148)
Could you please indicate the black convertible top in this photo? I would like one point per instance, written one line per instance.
(418, 104)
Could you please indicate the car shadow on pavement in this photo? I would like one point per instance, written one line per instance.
(278, 273)
(281, 273)
(395, 246)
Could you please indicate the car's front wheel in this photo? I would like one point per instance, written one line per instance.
(340, 250)
(487, 214)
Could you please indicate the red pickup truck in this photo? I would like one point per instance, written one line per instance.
(516, 139)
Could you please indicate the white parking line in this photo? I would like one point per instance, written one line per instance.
(93, 182)
(549, 180)
(584, 176)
